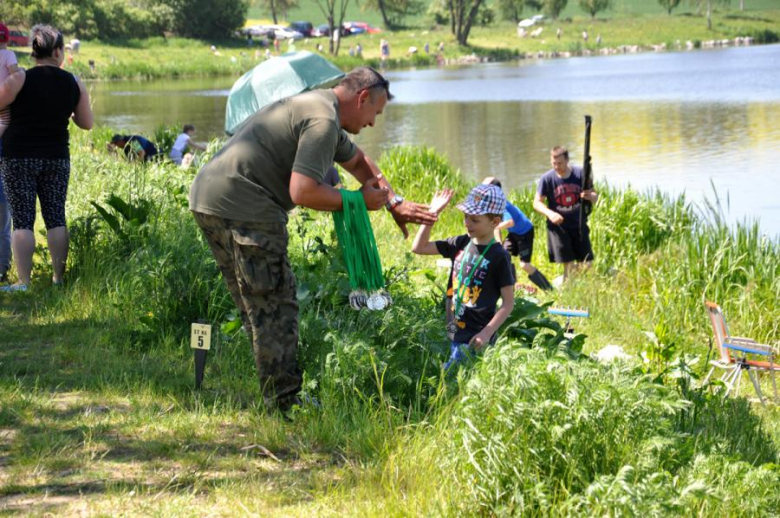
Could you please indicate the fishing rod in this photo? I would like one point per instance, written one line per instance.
(587, 176)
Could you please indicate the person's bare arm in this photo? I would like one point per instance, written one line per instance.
(422, 242)
(10, 88)
(502, 226)
(540, 206)
(590, 195)
(308, 192)
(507, 305)
(196, 145)
(82, 115)
(12, 69)
(506, 224)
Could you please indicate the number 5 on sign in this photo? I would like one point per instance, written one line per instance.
(200, 338)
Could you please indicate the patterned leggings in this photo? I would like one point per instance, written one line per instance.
(26, 178)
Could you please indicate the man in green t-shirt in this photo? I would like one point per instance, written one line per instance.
(276, 160)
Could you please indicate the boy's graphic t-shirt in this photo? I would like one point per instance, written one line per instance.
(480, 294)
(563, 196)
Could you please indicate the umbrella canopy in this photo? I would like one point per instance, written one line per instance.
(275, 79)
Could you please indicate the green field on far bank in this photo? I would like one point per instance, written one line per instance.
(176, 57)
(98, 415)
(309, 11)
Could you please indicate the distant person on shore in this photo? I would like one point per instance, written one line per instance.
(441, 46)
(519, 239)
(359, 50)
(558, 198)
(384, 49)
(585, 36)
(36, 157)
(481, 271)
(135, 147)
(427, 48)
(184, 141)
(558, 33)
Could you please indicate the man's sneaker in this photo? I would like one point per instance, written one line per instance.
(12, 288)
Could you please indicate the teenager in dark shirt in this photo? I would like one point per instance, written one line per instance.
(558, 198)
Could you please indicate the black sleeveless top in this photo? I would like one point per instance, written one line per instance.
(40, 114)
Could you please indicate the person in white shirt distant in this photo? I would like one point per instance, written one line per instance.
(179, 150)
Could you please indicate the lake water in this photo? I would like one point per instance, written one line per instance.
(681, 121)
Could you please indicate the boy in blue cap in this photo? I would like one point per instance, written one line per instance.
(481, 270)
(520, 239)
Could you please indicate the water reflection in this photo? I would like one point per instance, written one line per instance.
(680, 121)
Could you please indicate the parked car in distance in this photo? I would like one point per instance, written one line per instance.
(284, 33)
(305, 28)
(18, 38)
(324, 30)
(353, 29)
(361, 27)
(258, 30)
(321, 30)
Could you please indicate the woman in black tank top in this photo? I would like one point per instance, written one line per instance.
(35, 158)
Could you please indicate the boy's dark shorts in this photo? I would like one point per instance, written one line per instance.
(520, 245)
(564, 244)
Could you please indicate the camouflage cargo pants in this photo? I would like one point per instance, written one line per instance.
(253, 260)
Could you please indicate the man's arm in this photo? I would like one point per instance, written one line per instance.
(507, 305)
(364, 169)
(308, 192)
(540, 206)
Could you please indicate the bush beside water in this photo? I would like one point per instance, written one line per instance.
(535, 427)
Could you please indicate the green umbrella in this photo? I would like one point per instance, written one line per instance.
(275, 79)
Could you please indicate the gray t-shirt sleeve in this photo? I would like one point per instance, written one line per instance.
(346, 149)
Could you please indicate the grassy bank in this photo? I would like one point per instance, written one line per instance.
(97, 414)
(175, 57)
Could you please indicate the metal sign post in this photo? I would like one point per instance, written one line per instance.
(200, 341)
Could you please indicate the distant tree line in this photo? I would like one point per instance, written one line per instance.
(124, 19)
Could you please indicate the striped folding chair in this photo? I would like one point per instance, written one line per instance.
(738, 354)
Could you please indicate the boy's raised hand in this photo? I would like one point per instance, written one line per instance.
(440, 200)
